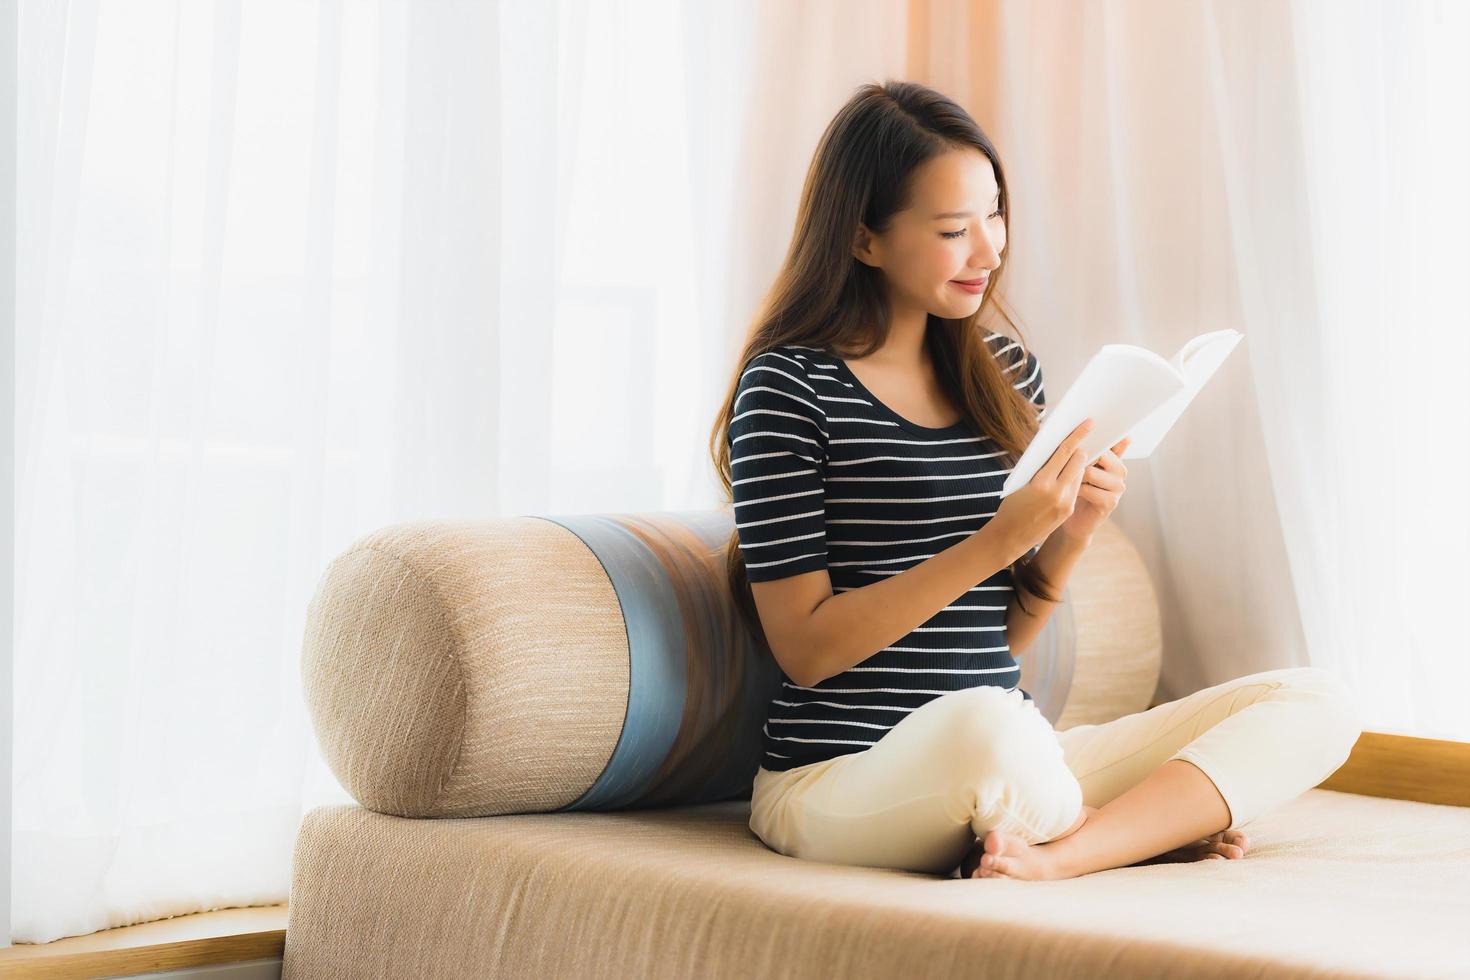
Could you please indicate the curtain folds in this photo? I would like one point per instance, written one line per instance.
(1293, 169)
(289, 272)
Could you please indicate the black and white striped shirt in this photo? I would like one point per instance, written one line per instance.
(827, 476)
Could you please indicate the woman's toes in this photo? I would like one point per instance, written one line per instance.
(988, 866)
(1237, 840)
(1231, 838)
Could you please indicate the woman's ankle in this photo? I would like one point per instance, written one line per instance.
(1087, 811)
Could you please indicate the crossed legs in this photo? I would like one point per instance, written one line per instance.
(1290, 728)
(983, 765)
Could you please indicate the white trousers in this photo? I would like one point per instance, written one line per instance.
(986, 758)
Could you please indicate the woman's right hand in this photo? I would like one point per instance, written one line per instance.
(1028, 515)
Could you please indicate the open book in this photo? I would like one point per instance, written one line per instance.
(1127, 391)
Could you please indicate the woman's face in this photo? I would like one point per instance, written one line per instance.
(952, 231)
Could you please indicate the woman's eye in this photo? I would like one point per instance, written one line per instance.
(961, 232)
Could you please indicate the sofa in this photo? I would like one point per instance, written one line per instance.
(550, 726)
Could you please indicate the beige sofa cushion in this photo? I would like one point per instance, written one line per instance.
(1335, 885)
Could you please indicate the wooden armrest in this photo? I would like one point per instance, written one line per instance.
(1406, 767)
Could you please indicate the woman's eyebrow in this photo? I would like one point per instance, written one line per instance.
(962, 214)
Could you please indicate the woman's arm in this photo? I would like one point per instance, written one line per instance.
(1055, 560)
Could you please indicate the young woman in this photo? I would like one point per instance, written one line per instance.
(864, 442)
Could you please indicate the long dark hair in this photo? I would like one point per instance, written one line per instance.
(824, 297)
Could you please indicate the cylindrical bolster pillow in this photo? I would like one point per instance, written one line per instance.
(597, 662)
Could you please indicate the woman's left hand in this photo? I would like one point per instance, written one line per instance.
(1102, 488)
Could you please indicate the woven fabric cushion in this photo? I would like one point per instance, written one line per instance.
(598, 662)
(1335, 886)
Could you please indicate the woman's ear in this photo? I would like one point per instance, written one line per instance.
(863, 246)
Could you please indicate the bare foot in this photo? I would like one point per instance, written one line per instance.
(1007, 847)
(1226, 845)
(1004, 855)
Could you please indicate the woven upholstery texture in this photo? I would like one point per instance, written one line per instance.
(597, 662)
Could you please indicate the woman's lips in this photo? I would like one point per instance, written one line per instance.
(974, 286)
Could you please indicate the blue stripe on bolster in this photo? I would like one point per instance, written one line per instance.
(722, 752)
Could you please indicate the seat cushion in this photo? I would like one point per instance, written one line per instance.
(1333, 882)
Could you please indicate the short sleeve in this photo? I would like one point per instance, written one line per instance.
(778, 450)
(1029, 380)
(1021, 366)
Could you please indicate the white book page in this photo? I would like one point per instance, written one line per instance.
(1118, 388)
(1126, 390)
(1199, 359)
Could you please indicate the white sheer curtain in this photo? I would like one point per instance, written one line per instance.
(292, 271)
(1294, 169)
(289, 272)
(1375, 503)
